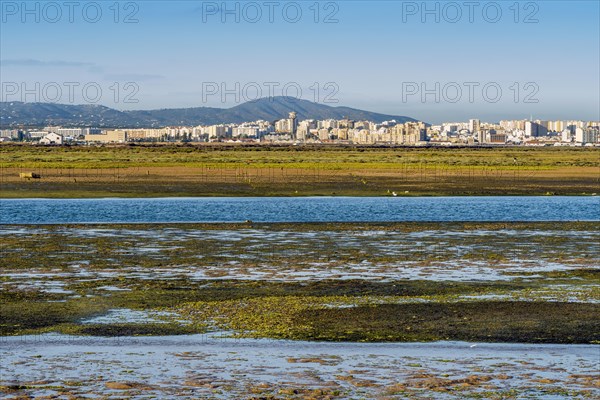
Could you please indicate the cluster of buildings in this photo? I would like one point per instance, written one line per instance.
(47, 135)
(517, 132)
(343, 131)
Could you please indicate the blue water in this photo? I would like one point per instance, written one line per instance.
(299, 209)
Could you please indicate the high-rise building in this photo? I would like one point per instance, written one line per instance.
(414, 132)
(481, 135)
(288, 125)
(293, 123)
(217, 131)
(474, 126)
(535, 129)
(556, 126)
(580, 136)
(586, 135)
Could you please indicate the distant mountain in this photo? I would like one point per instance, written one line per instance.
(269, 109)
(41, 114)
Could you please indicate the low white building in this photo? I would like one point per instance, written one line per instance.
(52, 138)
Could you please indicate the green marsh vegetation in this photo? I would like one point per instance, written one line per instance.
(225, 170)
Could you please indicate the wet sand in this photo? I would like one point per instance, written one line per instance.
(208, 366)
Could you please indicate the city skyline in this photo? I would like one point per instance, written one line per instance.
(335, 131)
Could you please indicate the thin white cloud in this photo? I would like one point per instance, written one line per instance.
(31, 62)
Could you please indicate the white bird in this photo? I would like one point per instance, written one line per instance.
(394, 194)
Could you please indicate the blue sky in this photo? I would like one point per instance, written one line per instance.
(374, 55)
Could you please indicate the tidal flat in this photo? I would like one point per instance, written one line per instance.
(301, 310)
(307, 281)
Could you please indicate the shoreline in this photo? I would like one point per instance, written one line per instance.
(308, 196)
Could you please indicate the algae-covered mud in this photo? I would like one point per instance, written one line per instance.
(511, 282)
(301, 310)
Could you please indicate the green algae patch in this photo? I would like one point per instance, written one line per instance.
(130, 329)
(22, 317)
(273, 317)
(362, 319)
(490, 321)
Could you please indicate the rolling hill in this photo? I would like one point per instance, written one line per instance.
(270, 109)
